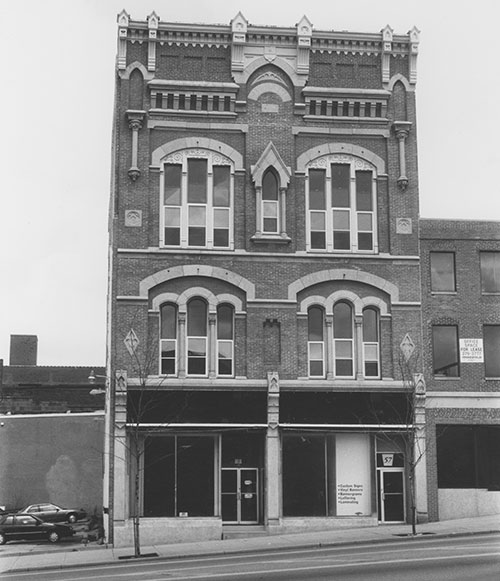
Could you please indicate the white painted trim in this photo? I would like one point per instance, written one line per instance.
(462, 400)
(97, 413)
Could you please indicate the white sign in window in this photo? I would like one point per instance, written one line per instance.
(471, 351)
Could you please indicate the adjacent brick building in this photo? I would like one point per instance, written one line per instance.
(264, 298)
(461, 331)
(51, 431)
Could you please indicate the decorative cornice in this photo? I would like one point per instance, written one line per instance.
(281, 45)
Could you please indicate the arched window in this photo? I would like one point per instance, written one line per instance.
(343, 340)
(225, 340)
(197, 201)
(197, 337)
(371, 343)
(168, 339)
(341, 202)
(270, 203)
(316, 344)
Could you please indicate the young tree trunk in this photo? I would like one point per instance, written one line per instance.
(136, 519)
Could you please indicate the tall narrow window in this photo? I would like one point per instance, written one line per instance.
(492, 350)
(270, 203)
(317, 208)
(445, 351)
(168, 340)
(343, 340)
(225, 340)
(442, 271)
(341, 206)
(221, 201)
(172, 204)
(364, 209)
(371, 348)
(316, 344)
(197, 337)
(490, 272)
(197, 201)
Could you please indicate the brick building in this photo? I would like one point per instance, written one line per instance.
(461, 330)
(51, 431)
(264, 299)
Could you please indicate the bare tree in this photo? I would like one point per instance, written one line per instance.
(142, 402)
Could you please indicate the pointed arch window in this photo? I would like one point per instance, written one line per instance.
(316, 343)
(168, 339)
(371, 343)
(271, 178)
(225, 340)
(270, 203)
(197, 337)
(343, 340)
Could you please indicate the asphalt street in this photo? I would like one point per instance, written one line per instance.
(447, 559)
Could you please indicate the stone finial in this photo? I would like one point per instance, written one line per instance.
(414, 35)
(304, 31)
(123, 19)
(387, 33)
(153, 20)
(239, 24)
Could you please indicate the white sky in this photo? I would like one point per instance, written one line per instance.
(56, 100)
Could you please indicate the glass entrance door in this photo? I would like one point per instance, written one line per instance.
(239, 491)
(391, 495)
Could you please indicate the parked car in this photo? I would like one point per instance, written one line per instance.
(53, 513)
(26, 527)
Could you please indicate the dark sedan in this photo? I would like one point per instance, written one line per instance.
(53, 513)
(26, 527)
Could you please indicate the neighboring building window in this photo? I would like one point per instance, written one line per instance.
(168, 339)
(468, 456)
(179, 476)
(197, 201)
(445, 351)
(225, 340)
(491, 350)
(490, 272)
(343, 340)
(197, 337)
(371, 349)
(342, 207)
(442, 271)
(270, 203)
(316, 344)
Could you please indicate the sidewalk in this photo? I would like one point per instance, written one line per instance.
(42, 556)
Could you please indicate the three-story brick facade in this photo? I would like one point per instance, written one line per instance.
(264, 297)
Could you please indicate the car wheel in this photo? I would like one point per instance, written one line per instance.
(53, 537)
(72, 518)
(3, 540)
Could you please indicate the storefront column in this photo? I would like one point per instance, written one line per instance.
(181, 341)
(272, 488)
(212, 345)
(120, 472)
(420, 450)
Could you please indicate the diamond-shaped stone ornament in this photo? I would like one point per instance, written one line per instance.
(131, 341)
(407, 347)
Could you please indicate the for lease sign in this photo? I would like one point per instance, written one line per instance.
(471, 351)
